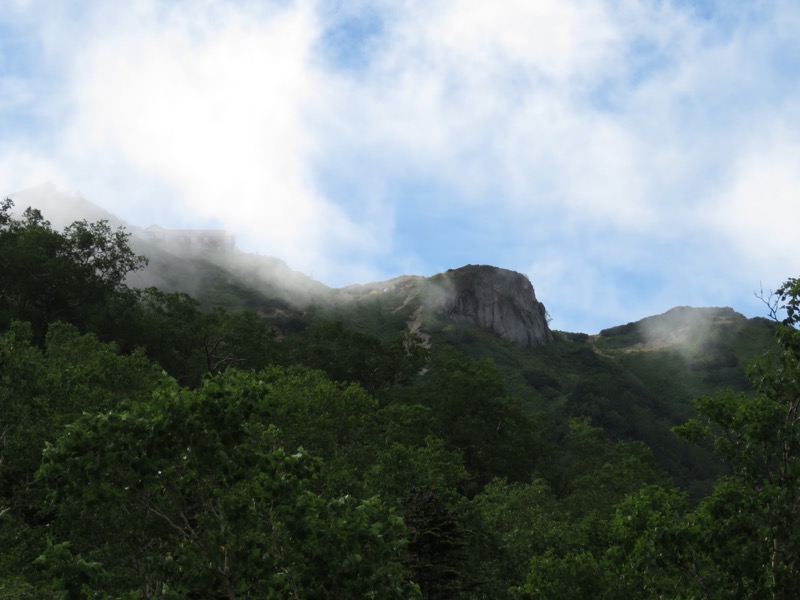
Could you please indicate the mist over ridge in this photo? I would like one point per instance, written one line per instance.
(476, 302)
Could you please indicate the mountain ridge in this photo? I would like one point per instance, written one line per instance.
(493, 298)
(635, 381)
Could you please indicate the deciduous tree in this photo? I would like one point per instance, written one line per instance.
(46, 275)
(191, 495)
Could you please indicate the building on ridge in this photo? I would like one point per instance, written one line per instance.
(189, 241)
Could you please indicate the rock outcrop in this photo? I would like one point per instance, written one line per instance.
(496, 300)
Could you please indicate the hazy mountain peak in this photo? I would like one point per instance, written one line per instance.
(59, 207)
(681, 327)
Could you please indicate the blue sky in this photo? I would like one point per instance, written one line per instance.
(627, 155)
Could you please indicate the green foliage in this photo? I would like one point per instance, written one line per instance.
(577, 379)
(596, 473)
(189, 494)
(474, 416)
(189, 342)
(361, 466)
(41, 390)
(333, 422)
(74, 571)
(755, 509)
(400, 470)
(573, 576)
(47, 276)
(422, 481)
(436, 544)
(520, 521)
(350, 356)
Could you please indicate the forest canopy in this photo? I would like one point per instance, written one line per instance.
(151, 447)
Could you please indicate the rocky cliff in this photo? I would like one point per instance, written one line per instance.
(496, 300)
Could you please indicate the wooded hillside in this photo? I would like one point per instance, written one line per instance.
(156, 444)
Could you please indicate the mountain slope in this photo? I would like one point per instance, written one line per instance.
(636, 381)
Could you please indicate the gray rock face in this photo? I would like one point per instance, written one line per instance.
(497, 300)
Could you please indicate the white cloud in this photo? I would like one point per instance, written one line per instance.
(202, 109)
(216, 111)
(758, 213)
(20, 168)
(499, 104)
